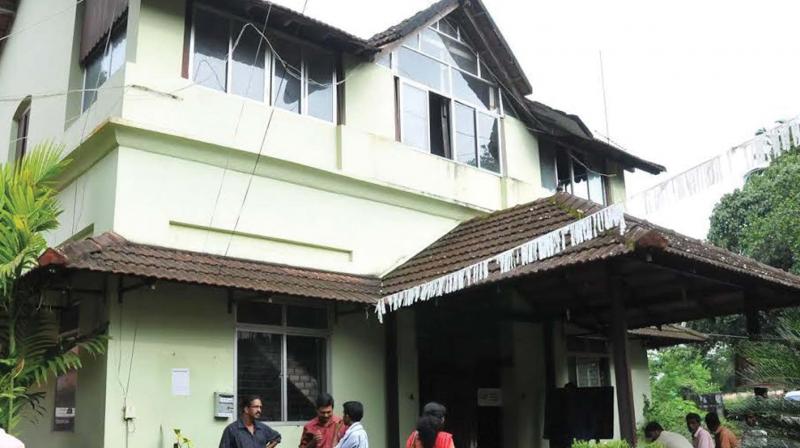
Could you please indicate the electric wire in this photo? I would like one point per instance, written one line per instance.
(258, 158)
(39, 22)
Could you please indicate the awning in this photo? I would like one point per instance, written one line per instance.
(113, 254)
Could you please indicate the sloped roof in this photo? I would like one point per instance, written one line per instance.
(489, 42)
(486, 236)
(111, 253)
(480, 28)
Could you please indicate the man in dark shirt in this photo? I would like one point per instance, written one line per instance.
(247, 431)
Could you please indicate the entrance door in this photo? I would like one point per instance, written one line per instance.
(458, 356)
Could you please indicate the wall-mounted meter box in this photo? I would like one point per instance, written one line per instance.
(224, 405)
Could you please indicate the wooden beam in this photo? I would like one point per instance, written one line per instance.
(622, 368)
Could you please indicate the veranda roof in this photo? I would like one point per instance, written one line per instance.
(668, 277)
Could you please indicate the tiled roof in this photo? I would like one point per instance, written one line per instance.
(472, 241)
(111, 253)
(410, 24)
(483, 237)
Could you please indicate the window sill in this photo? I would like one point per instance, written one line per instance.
(423, 151)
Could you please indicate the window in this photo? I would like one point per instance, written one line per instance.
(281, 355)
(292, 76)
(100, 65)
(588, 361)
(448, 104)
(589, 371)
(19, 130)
(572, 172)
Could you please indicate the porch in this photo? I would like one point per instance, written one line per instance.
(491, 347)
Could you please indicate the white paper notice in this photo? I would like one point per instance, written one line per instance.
(180, 382)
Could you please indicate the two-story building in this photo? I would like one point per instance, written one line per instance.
(247, 183)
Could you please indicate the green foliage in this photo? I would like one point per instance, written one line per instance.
(31, 350)
(673, 371)
(761, 220)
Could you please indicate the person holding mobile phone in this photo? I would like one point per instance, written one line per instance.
(326, 429)
(247, 431)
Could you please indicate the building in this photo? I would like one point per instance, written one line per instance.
(236, 215)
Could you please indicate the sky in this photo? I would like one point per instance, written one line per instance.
(684, 80)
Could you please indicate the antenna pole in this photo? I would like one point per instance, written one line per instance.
(605, 104)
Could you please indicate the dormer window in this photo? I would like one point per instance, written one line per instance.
(573, 172)
(447, 101)
(283, 72)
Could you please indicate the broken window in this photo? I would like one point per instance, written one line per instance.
(574, 173)
(101, 64)
(232, 56)
(444, 106)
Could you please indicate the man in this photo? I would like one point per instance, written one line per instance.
(723, 436)
(700, 437)
(326, 429)
(753, 436)
(356, 435)
(653, 432)
(247, 431)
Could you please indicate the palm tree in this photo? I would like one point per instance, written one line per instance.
(30, 347)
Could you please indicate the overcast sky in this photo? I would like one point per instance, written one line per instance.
(685, 80)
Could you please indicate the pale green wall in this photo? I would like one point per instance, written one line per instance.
(284, 222)
(616, 183)
(22, 71)
(408, 374)
(174, 326)
(358, 370)
(181, 326)
(369, 98)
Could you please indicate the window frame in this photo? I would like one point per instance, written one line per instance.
(604, 366)
(283, 331)
(571, 187)
(21, 127)
(119, 31)
(496, 113)
(269, 64)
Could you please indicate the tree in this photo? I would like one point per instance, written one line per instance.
(674, 371)
(30, 347)
(761, 219)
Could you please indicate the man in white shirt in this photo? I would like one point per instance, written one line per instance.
(9, 441)
(701, 438)
(655, 433)
(355, 436)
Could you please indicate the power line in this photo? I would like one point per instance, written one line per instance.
(236, 129)
(258, 157)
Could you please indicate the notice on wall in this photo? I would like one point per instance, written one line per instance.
(180, 382)
(64, 415)
(490, 397)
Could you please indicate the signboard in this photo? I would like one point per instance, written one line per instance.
(490, 397)
(64, 418)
